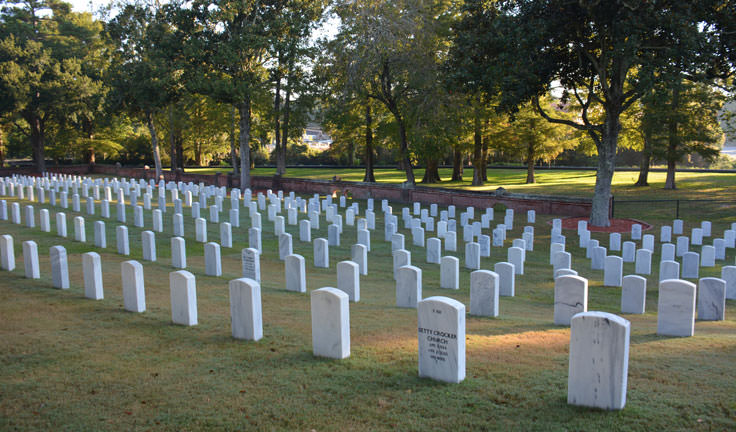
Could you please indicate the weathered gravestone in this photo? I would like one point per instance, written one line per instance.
(321, 253)
(92, 270)
(100, 235)
(629, 250)
(708, 256)
(178, 253)
(441, 337)
(348, 279)
(711, 299)
(61, 224)
(305, 231)
(148, 243)
(676, 308)
(330, 323)
(599, 360)
(434, 250)
(359, 255)
(614, 241)
(59, 267)
(450, 272)
(200, 230)
(553, 249)
(643, 262)
(561, 260)
(690, 265)
(484, 293)
(183, 289)
(245, 309)
(648, 242)
(212, 261)
(506, 278)
(296, 277)
(80, 233)
(134, 298)
(634, 294)
(472, 256)
(251, 264)
(408, 286)
(613, 271)
(30, 260)
(254, 239)
(285, 246)
(668, 252)
(571, 297)
(226, 235)
(669, 270)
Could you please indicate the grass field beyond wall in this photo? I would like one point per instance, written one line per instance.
(709, 196)
(69, 363)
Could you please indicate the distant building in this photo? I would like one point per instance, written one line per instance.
(315, 138)
(728, 123)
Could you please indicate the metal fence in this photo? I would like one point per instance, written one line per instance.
(674, 209)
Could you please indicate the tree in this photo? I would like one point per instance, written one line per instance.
(464, 73)
(605, 54)
(44, 53)
(389, 51)
(289, 48)
(144, 80)
(691, 124)
(227, 44)
(532, 138)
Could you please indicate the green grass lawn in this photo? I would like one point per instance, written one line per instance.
(575, 183)
(691, 185)
(69, 363)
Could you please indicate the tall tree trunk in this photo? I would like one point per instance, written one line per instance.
(285, 126)
(404, 151)
(606, 167)
(646, 158)
(457, 165)
(233, 152)
(369, 175)
(245, 143)
(172, 137)
(198, 154)
(477, 146)
(2, 152)
(92, 153)
(180, 152)
(530, 157)
(154, 144)
(277, 123)
(37, 141)
(673, 138)
(432, 173)
(484, 168)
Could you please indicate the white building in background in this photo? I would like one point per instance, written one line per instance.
(728, 123)
(315, 138)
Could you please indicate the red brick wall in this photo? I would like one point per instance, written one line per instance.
(564, 206)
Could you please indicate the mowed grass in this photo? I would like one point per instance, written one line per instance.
(573, 183)
(690, 185)
(69, 363)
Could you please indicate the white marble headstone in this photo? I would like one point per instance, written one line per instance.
(441, 337)
(599, 360)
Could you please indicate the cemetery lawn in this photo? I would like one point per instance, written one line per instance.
(579, 183)
(713, 192)
(69, 363)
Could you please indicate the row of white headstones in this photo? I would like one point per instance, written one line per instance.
(441, 320)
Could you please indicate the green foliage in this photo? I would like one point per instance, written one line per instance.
(51, 61)
(606, 55)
